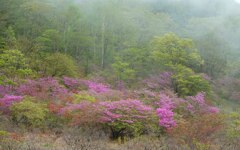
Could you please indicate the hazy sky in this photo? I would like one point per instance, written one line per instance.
(238, 1)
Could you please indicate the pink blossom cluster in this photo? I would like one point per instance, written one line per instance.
(7, 101)
(212, 109)
(43, 88)
(166, 117)
(97, 87)
(71, 83)
(165, 112)
(127, 111)
(160, 82)
(166, 102)
(73, 107)
(199, 98)
(197, 104)
(6, 90)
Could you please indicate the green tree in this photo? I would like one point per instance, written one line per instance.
(58, 64)
(137, 59)
(50, 41)
(12, 66)
(9, 40)
(214, 52)
(122, 71)
(33, 17)
(187, 83)
(181, 57)
(171, 50)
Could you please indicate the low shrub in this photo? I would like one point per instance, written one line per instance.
(124, 117)
(197, 130)
(29, 113)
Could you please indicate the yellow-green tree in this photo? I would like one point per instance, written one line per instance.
(172, 50)
(58, 64)
(12, 66)
(182, 58)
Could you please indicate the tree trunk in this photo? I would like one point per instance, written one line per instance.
(103, 42)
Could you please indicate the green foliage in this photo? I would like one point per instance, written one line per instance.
(121, 129)
(58, 65)
(171, 50)
(122, 71)
(180, 56)
(13, 64)
(200, 146)
(137, 59)
(29, 113)
(234, 126)
(186, 82)
(3, 134)
(54, 121)
(9, 41)
(83, 97)
(212, 49)
(50, 41)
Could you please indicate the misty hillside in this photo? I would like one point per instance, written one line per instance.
(119, 74)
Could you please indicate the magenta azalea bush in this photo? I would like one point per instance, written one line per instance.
(159, 82)
(71, 83)
(197, 104)
(125, 111)
(166, 117)
(4, 90)
(7, 101)
(193, 104)
(43, 88)
(166, 102)
(97, 87)
(129, 115)
(165, 112)
(107, 112)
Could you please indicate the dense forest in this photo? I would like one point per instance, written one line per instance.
(119, 74)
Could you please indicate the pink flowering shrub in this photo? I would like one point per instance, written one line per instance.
(213, 110)
(165, 112)
(71, 83)
(7, 101)
(166, 117)
(123, 110)
(199, 98)
(97, 87)
(159, 82)
(197, 104)
(107, 112)
(166, 102)
(5, 90)
(43, 88)
(124, 115)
